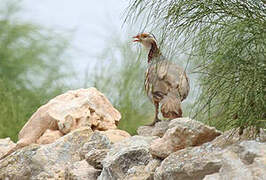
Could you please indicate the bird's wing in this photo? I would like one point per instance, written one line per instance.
(168, 77)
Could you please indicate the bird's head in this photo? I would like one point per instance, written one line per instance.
(146, 39)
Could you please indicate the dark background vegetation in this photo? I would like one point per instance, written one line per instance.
(221, 44)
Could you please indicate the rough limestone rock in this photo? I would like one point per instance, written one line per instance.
(157, 130)
(18, 166)
(143, 172)
(45, 161)
(189, 163)
(81, 170)
(95, 150)
(124, 155)
(99, 144)
(244, 160)
(95, 157)
(5, 145)
(182, 132)
(153, 164)
(138, 173)
(97, 141)
(66, 112)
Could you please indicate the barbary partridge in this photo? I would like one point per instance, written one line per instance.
(166, 83)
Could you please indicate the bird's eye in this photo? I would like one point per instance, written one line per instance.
(145, 35)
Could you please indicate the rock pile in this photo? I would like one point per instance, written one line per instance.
(89, 146)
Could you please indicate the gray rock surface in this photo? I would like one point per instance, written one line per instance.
(143, 172)
(95, 150)
(124, 155)
(95, 157)
(96, 141)
(242, 160)
(81, 170)
(45, 161)
(190, 163)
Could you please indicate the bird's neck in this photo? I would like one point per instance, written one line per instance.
(154, 52)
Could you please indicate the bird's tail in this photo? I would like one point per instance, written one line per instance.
(171, 107)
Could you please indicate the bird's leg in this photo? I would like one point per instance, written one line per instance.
(156, 119)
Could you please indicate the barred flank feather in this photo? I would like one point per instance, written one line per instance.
(171, 107)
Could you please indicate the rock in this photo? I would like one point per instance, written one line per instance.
(83, 107)
(95, 150)
(138, 173)
(182, 132)
(116, 135)
(45, 161)
(157, 130)
(153, 164)
(95, 157)
(5, 145)
(49, 136)
(190, 163)
(124, 155)
(81, 170)
(66, 112)
(246, 160)
(18, 166)
(214, 176)
(143, 172)
(242, 160)
(97, 140)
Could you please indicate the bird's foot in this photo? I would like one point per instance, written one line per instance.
(154, 122)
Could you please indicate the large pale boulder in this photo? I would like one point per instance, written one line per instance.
(124, 155)
(45, 161)
(66, 112)
(182, 133)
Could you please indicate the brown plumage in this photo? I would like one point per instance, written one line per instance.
(165, 82)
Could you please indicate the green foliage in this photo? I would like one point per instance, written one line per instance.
(30, 68)
(226, 41)
(120, 76)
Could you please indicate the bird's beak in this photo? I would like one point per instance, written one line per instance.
(136, 38)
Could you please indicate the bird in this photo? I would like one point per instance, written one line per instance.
(166, 83)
